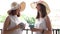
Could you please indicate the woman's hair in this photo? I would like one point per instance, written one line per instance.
(42, 10)
(13, 12)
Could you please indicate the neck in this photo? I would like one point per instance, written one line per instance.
(40, 14)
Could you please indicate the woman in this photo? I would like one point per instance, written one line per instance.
(12, 23)
(42, 25)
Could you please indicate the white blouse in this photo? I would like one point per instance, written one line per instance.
(40, 24)
(14, 21)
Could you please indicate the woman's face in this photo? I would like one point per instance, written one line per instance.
(17, 11)
(38, 7)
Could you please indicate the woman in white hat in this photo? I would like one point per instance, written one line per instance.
(11, 25)
(42, 24)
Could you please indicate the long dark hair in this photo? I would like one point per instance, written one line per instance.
(13, 12)
(42, 10)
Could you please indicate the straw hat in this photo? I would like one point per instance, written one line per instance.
(22, 6)
(15, 6)
(34, 4)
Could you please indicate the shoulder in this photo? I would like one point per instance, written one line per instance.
(7, 18)
(46, 18)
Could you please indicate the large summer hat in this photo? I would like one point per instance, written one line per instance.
(34, 4)
(15, 6)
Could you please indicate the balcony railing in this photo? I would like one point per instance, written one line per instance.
(54, 31)
(0, 31)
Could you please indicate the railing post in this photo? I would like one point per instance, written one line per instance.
(31, 32)
(53, 31)
(56, 31)
(26, 31)
(1, 31)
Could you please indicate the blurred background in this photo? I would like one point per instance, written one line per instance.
(29, 14)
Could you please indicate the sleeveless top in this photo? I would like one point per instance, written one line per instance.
(40, 24)
(14, 21)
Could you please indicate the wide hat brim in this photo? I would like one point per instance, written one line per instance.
(22, 6)
(34, 4)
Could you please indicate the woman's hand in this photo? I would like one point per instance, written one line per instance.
(35, 30)
(21, 25)
(18, 26)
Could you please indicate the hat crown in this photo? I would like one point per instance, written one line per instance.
(14, 6)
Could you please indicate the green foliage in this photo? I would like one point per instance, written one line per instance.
(2, 18)
(30, 20)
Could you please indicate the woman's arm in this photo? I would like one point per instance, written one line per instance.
(35, 30)
(6, 25)
(48, 24)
